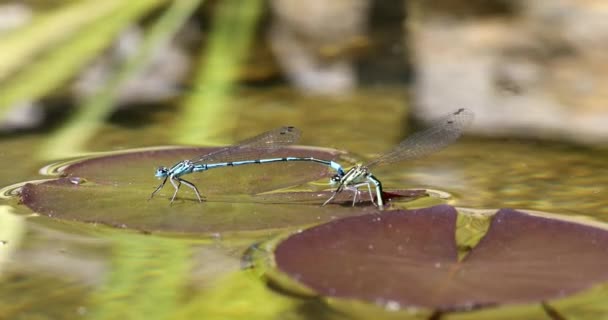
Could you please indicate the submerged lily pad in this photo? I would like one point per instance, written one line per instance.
(114, 190)
(403, 259)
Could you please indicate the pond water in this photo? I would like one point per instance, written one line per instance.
(59, 269)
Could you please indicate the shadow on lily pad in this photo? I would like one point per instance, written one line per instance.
(114, 190)
(410, 259)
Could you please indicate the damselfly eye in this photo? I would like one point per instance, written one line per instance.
(335, 179)
(161, 172)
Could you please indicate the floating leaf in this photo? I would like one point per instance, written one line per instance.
(409, 259)
(114, 190)
(344, 198)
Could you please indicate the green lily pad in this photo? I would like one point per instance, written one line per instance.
(345, 198)
(409, 259)
(135, 170)
(114, 190)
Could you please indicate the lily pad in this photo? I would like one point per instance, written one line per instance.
(135, 170)
(345, 198)
(410, 259)
(114, 190)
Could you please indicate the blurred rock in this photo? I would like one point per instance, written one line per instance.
(14, 15)
(157, 82)
(312, 41)
(24, 115)
(527, 68)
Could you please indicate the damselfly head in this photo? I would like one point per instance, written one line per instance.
(335, 179)
(161, 172)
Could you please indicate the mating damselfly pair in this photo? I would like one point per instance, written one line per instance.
(438, 136)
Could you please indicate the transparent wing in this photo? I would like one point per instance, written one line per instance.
(441, 134)
(254, 147)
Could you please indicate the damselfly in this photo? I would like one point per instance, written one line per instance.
(261, 144)
(438, 136)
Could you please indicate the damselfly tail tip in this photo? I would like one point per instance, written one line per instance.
(462, 116)
(464, 111)
(289, 129)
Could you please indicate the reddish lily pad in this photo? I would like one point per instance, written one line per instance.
(410, 259)
(114, 190)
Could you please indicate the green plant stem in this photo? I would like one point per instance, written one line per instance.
(71, 138)
(206, 112)
(20, 47)
(52, 70)
(145, 279)
(12, 230)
